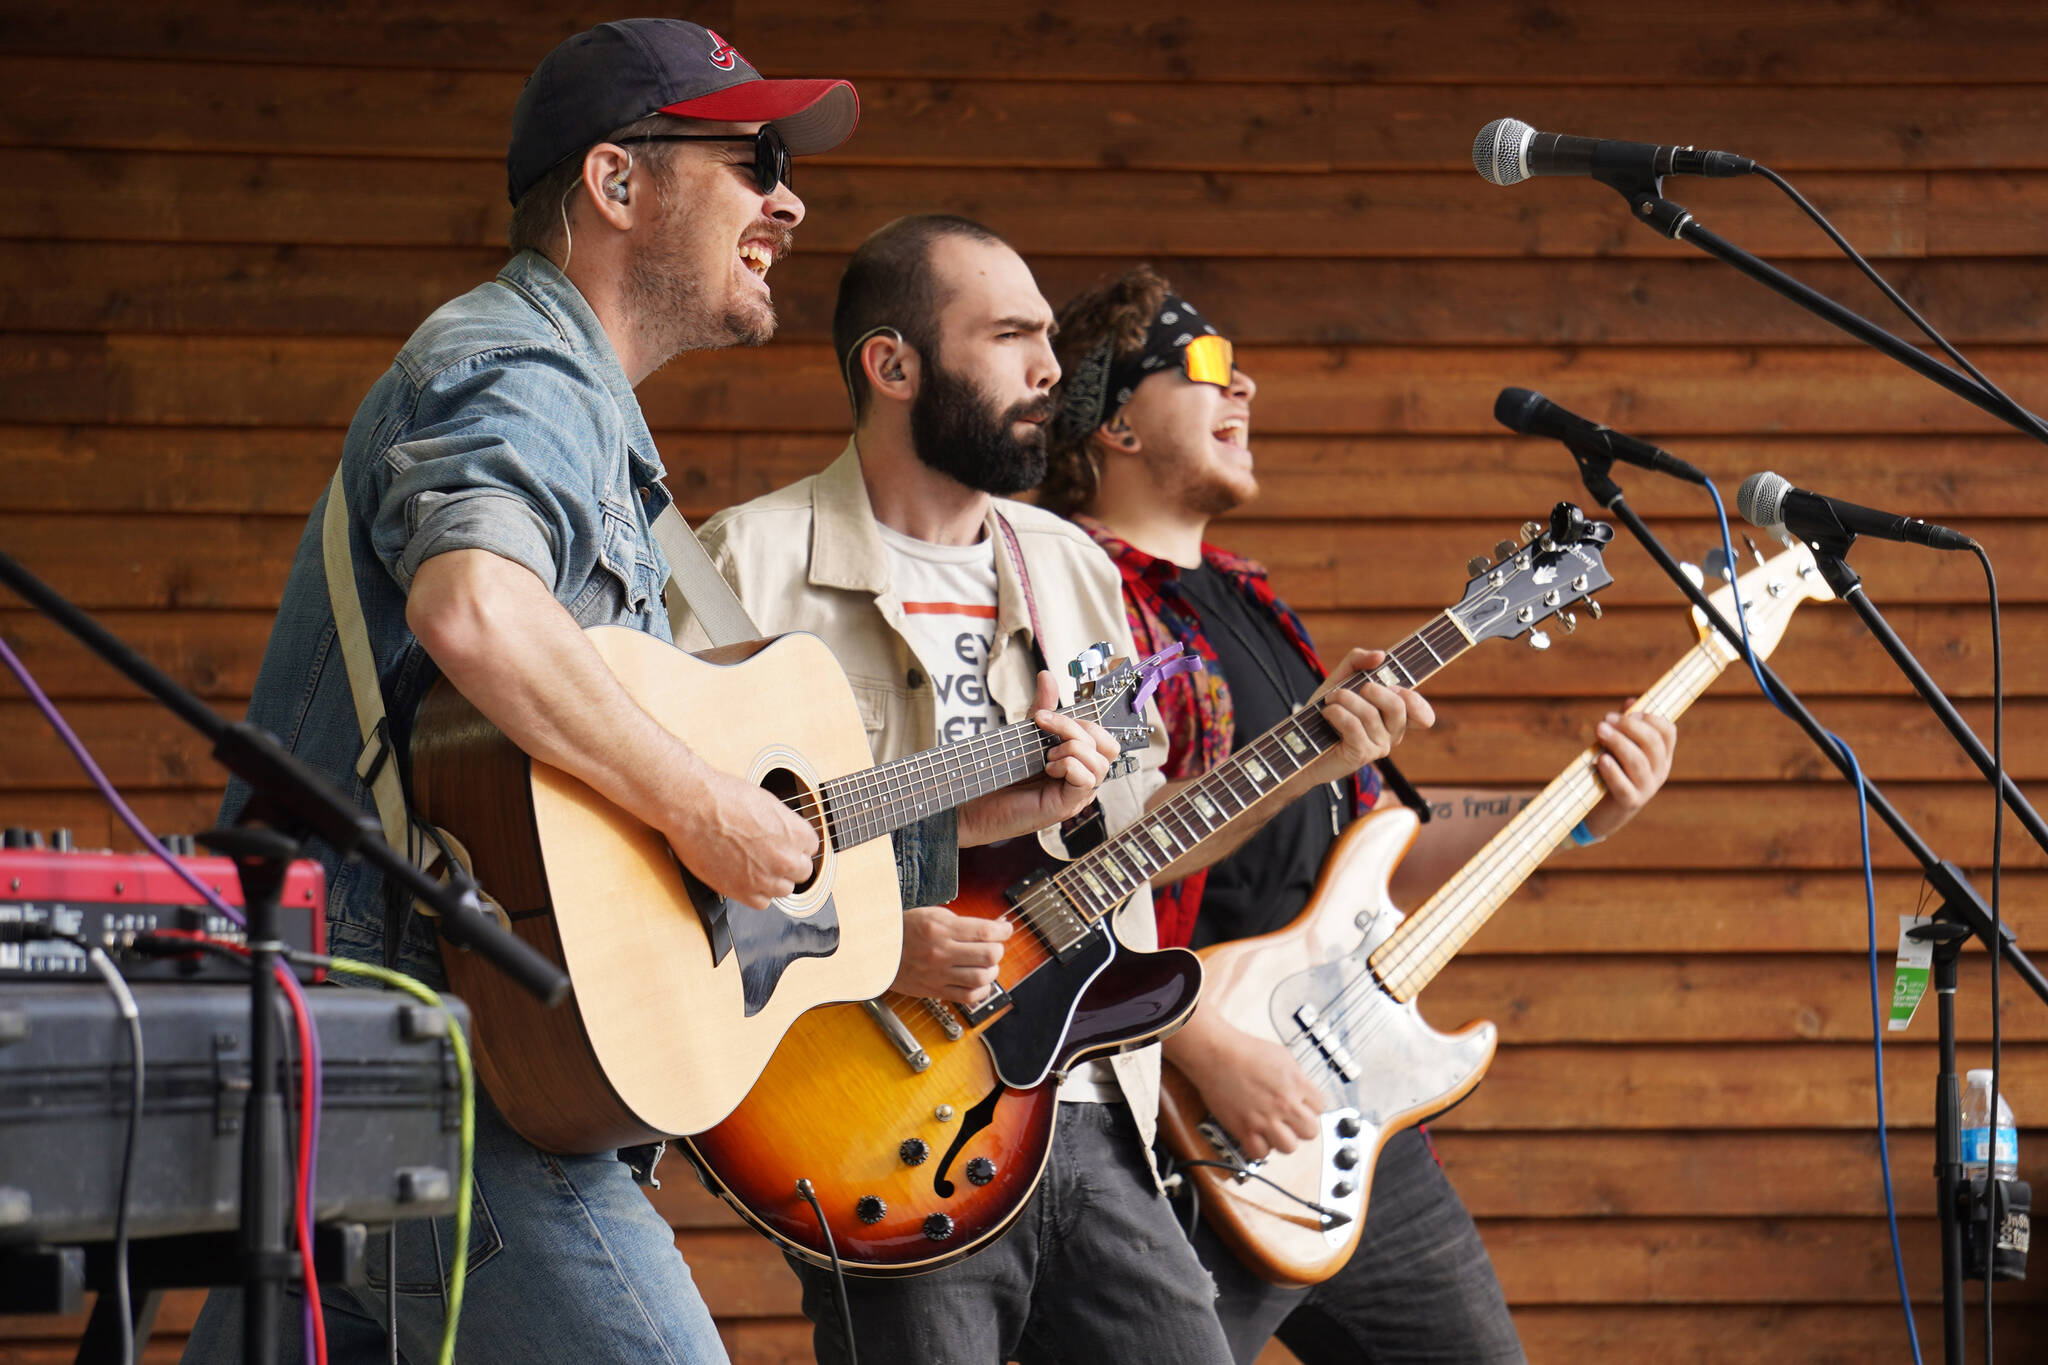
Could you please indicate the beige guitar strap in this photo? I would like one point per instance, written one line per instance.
(695, 585)
(374, 764)
(696, 588)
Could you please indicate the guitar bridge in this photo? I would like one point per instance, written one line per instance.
(1226, 1147)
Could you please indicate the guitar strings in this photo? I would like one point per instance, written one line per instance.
(1440, 640)
(1065, 893)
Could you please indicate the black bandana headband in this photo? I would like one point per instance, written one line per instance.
(1102, 381)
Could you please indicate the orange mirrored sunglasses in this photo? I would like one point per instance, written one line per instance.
(1209, 360)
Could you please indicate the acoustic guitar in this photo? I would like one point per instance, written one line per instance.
(679, 995)
(923, 1126)
(1338, 986)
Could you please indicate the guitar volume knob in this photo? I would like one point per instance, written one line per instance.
(938, 1227)
(914, 1151)
(1346, 1158)
(869, 1209)
(980, 1171)
(1347, 1127)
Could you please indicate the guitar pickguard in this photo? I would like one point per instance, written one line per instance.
(765, 941)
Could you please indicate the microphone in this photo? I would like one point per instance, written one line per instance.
(1532, 414)
(1508, 151)
(1768, 500)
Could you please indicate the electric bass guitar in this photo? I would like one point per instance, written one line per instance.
(1338, 987)
(923, 1126)
(681, 995)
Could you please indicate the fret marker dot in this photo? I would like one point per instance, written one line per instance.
(1256, 769)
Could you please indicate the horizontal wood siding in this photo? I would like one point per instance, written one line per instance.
(223, 218)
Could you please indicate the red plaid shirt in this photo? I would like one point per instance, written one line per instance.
(1196, 706)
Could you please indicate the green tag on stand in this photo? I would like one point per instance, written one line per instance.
(1909, 977)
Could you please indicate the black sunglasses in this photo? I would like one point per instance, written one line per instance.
(771, 154)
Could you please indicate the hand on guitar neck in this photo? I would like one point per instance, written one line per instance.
(1369, 719)
(1073, 770)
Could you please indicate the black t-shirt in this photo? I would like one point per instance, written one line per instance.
(1265, 883)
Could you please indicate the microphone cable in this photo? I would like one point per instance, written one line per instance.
(2033, 425)
(1997, 954)
(1884, 1159)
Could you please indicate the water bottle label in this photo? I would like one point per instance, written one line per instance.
(1977, 1143)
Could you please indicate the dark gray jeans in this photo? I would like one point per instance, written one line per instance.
(1094, 1270)
(1419, 1290)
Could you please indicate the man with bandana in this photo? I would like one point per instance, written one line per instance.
(1153, 441)
(943, 600)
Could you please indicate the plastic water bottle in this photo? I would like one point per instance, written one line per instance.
(1980, 1148)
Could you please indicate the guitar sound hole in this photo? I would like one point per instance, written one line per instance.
(792, 791)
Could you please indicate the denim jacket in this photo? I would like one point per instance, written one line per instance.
(505, 424)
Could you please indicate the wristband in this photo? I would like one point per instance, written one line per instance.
(1584, 837)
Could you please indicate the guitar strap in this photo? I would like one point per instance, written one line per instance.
(694, 585)
(1024, 580)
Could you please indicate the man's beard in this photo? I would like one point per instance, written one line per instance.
(668, 291)
(954, 432)
(1207, 494)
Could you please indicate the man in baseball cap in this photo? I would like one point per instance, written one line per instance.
(496, 494)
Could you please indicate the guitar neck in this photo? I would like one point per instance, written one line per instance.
(883, 799)
(1068, 905)
(1432, 936)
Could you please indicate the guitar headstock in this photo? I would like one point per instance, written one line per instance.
(1118, 689)
(1556, 565)
(1771, 592)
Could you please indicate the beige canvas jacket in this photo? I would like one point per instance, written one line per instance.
(808, 557)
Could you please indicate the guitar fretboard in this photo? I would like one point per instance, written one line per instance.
(883, 799)
(1410, 959)
(1066, 906)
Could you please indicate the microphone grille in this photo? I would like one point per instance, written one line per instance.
(1761, 499)
(1499, 153)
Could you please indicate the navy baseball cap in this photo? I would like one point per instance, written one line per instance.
(606, 77)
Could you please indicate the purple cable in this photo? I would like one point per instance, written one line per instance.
(205, 892)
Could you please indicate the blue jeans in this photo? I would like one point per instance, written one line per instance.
(1094, 1270)
(1419, 1289)
(568, 1264)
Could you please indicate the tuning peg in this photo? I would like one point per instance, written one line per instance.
(1568, 621)
(1758, 554)
(1502, 549)
(1718, 564)
(1692, 571)
(1594, 609)
(1539, 640)
(1531, 530)
(1087, 666)
(1477, 565)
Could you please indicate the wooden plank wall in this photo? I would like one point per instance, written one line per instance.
(221, 219)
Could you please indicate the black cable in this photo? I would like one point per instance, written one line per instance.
(391, 1290)
(2025, 418)
(809, 1196)
(1997, 958)
(1331, 1217)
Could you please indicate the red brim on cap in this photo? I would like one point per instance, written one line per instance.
(813, 116)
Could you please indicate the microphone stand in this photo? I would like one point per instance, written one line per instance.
(1963, 911)
(292, 803)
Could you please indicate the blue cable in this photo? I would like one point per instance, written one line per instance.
(1884, 1156)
